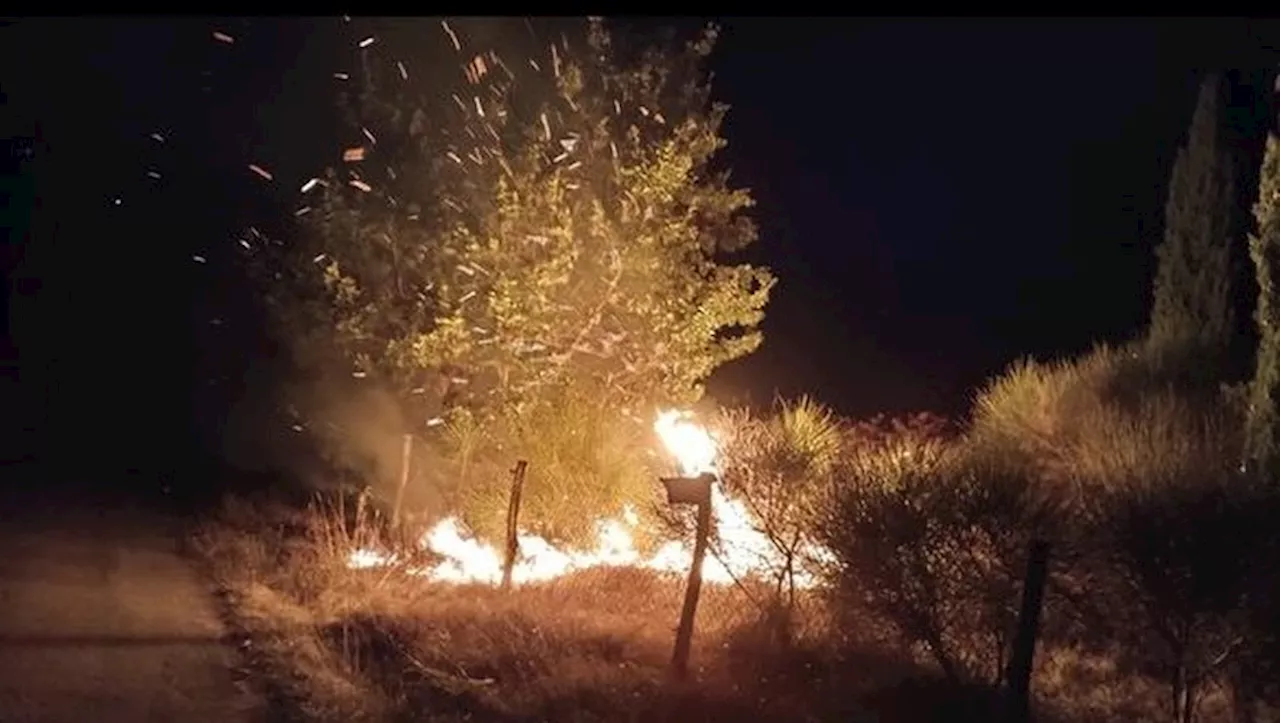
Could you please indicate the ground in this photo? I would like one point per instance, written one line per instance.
(104, 619)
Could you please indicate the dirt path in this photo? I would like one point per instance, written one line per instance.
(102, 620)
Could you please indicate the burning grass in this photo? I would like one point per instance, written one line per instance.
(592, 645)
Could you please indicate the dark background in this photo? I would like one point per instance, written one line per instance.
(937, 198)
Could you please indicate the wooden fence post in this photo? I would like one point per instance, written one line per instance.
(405, 458)
(513, 522)
(684, 633)
(1018, 700)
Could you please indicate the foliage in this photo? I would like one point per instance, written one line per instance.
(1157, 534)
(550, 220)
(585, 461)
(1173, 539)
(782, 468)
(1192, 306)
(1263, 427)
(926, 536)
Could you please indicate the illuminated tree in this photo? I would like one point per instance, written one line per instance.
(545, 228)
(1192, 309)
(1262, 428)
(545, 221)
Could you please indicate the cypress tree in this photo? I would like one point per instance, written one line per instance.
(1262, 435)
(1192, 307)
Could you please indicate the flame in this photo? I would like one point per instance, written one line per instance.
(693, 446)
(743, 550)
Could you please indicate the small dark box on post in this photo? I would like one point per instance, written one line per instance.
(688, 490)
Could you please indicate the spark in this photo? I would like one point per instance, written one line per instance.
(479, 108)
(223, 37)
(260, 171)
(502, 65)
(157, 137)
(569, 144)
(452, 36)
(435, 422)
(404, 73)
(455, 157)
(302, 212)
(367, 42)
(245, 244)
(367, 134)
(341, 76)
(199, 259)
(310, 185)
(153, 174)
(357, 183)
(555, 60)
(546, 127)
(359, 375)
(351, 155)
(318, 258)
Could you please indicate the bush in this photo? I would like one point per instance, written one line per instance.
(928, 536)
(780, 467)
(1177, 539)
(1159, 545)
(586, 461)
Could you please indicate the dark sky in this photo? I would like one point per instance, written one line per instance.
(937, 197)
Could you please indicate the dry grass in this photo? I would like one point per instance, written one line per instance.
(373, 645)
(593, 646)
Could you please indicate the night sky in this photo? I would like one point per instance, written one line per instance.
(937, 197)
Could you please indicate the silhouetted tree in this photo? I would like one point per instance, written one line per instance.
(1192, 306)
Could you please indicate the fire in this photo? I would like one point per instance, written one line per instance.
(693, 447)
(743, 549)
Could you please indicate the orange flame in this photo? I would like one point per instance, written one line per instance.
(744, 550)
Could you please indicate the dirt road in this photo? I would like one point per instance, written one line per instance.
(102, 620)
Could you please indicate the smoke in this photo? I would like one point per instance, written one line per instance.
(322, 431)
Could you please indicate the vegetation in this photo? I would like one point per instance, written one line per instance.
(548, 230)
(539, 291)
(1263, 428)
(1193, 298)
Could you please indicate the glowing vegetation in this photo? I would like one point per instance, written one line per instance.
(548, 226)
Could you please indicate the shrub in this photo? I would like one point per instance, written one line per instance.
(780, 467)
(586, 461)
(926, 535)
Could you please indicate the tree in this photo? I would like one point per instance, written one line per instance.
(1262, 427)
(1192, 305)
(545, 223)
